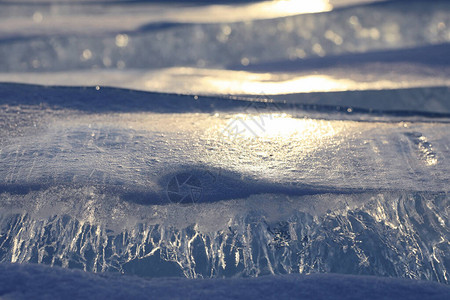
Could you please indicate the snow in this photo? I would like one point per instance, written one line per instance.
(41, 282)
(225, 140)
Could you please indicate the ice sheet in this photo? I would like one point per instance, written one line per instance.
(243, 144)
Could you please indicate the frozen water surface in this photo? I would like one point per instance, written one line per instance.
(226, 140)
(287, 190)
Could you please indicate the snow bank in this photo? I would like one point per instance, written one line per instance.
(41, 282)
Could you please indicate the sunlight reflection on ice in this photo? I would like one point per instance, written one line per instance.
(203, 81)
(199, 81)
(292, 7)
(247, 12)
(139, 15)
(302, 84)
(271, 140)
(276, 125)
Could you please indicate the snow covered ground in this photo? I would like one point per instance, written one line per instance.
(221, 140)
(41, 282)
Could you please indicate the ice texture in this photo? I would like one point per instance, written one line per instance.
(150, 140)
(394, 25)
(86, 185)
